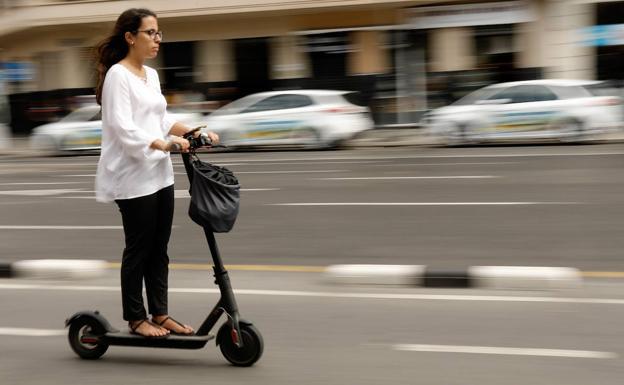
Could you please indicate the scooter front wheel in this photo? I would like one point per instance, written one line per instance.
(84, 342)
(249, 353)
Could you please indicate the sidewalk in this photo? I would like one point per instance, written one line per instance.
(14, 147)
(417, 136)
(390, 137)
(379, 137)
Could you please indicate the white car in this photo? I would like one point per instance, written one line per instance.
(312, 118)
(81, 130)
(564, 110)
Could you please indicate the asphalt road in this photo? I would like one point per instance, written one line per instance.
(320, 334)
(543, 205)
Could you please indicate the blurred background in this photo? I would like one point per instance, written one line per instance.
(403, 57)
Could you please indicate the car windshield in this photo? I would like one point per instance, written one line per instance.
(477, 95)
(81, 115)
(603, 89)
(237, 105)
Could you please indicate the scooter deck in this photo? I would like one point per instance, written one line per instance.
(172, 341)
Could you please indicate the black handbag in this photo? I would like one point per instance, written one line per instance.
(215, 196)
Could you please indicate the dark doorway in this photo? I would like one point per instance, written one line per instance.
(178, 64)
(252, 65)
(609, 58)
(328, 57)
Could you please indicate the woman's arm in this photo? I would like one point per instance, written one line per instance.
(116, 108)
(179, 129)
(161, 145)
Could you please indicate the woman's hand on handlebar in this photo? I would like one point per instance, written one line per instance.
(176, 143)
(214, 138)
(198, 138)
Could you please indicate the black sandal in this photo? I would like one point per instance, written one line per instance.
(161, 324)
(136, 326)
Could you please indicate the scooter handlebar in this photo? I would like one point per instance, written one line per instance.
(202, 140)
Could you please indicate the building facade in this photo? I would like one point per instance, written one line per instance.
(404, 56)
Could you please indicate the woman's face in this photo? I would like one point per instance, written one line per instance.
(146, 41)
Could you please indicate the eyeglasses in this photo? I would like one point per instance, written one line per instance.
(152, 33)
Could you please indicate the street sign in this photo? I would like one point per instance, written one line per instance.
(17, 71)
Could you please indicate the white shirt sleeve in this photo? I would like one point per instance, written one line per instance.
(116, 105)
(167, 123)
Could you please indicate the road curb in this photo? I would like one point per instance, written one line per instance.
(53, 269)
(490, 277)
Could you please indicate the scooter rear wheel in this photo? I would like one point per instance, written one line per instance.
(83, 341)
(252, 349)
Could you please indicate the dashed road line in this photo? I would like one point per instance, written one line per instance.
(46, 227)
(323, 294)
(539, 352)
(29, 332)
(422, 203)
(415, 177)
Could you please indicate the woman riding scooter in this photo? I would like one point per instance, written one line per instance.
(135, 169)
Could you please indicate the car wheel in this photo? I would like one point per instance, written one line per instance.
(226, 139)
(43, 145)
(571, 131)
(310, 138)
(457, 135)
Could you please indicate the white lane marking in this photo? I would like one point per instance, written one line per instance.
(58, 164)
(27, 332)
(422, 203)
(79, 175)
(36, 183)
(40, 192)
(444, 164)
(278, 172)
(308, 162)
(185, 194)
(460, 156)
(89, 197)
(38, 227)
(505, 351)
(321, 294)
(289, 171)
(178, 194)
(218, 164)
(386, 157)
(293, 163)
(277, 163)
(414, 177)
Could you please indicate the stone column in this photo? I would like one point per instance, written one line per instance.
(565, 57)
(452, 49)
(75, 69)
(287, 59)
(369, 56)
(214, 61)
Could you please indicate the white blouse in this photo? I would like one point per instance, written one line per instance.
(134, 114)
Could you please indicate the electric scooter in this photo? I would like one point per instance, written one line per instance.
(90, 334)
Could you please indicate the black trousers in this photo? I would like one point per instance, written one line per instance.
(147, 224)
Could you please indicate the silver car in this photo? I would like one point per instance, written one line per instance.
(563, 110)
(310, 118)
(81, 130)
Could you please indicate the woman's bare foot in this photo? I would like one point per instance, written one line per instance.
(147, 329)
(172, 325)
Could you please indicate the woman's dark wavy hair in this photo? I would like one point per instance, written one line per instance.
(114, 48)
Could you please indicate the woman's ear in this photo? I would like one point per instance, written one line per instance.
(129, 38)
